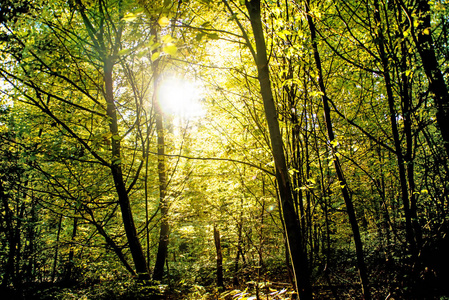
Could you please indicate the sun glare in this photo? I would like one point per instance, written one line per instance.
(181, 98)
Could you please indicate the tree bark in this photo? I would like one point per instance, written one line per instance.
(397, 142)
(340, 175)
(55, 257)
(217, 243)
(437, 85)
(291, 221)
(116, 170)
(239, 250)
(71, 263)
(162, 174)
(108, 59)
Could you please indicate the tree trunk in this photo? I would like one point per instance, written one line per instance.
(239, 251)
(291, 221)
(8, 217)
(70, 264)
(162, 173)
(116, 170)
(217, 243)
(110, 242)
(344, 187)
(397, 143)
(437, 85)
(55, 257)
(407, 111)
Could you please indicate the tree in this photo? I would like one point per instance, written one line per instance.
(103, 49)
(338, 168)
(291, 221)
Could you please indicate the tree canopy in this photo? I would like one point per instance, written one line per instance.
(224, 149)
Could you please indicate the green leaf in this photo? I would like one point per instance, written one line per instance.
(199, 36)
(141, 54)
(123, 52)
(213, 36)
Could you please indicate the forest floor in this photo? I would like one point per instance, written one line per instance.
(275, 284)
(131, 289)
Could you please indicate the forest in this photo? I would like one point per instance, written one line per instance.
(228, 149)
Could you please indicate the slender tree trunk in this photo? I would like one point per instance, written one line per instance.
(344, 186)
(437, 85)
(117, 250)
(70, 264)
(108, 57)
(55, 257)
(147, 217)
(291, 221)
(407, 115)
(239, 251)
(9, 230)
(162, 174)
(30, 245)
(116, 170)
(217, 242)
(396, 138)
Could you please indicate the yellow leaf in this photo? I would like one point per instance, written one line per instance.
(170, 49)
(167, 39)
(129, 17)
(426, 31)
(123, 52)
(163, 21)
(154, 46)
(155, 56)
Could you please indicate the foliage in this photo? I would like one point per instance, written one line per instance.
(80, 148)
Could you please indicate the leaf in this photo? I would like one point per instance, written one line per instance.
(141, 54)
(206, 24)
(129, 17)
(167, 39)
(163, 21)
(155, 56)
(123, 52)
(199, 36)
(170, 49)
(155, 46)
(426, 31)
(213, 36)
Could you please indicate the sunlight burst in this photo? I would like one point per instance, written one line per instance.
(181, 98)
